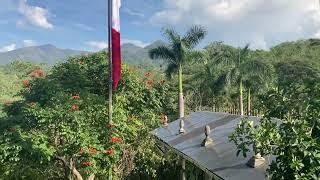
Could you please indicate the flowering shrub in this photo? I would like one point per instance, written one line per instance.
(75, 97)
(109, 152)
(26, 83)
(62, 129)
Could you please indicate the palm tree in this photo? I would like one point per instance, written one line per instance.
(257, 83)
(208, 78)
(243, 68)
(178, 52)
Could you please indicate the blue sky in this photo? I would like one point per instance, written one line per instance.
(82, 24)
(76, 24)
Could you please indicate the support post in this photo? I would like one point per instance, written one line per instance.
(183, 169)
(207, 176)
(110, 68)
(110, 57)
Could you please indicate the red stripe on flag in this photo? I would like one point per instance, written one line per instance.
(116, 59)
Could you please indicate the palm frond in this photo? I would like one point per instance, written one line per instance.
(257, 69)
(193, 36)
(162, 52)
(232, 76)
(244, 52)
(172, 36)
(194, 56)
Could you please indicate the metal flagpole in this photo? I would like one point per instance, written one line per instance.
(110, 67)
(110, 57)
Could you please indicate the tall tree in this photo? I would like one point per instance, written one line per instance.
(178, 51)
(242, 67)
(207, 73)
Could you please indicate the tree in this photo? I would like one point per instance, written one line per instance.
(241, 67)
(60, 130)
(205, 74)
(177, 53)
(293, 138)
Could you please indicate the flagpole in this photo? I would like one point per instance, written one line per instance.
(110, 57)
(110, 68)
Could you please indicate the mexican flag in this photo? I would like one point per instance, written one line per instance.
(115, 38)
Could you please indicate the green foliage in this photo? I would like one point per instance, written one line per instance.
(10, 81)
(56, 119)
(294, 140)
(61, 123)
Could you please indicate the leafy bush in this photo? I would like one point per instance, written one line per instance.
(60, 129)
(294, 140)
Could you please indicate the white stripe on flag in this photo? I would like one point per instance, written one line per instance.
(116, 4)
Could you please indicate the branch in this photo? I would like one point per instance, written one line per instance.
(71, 166)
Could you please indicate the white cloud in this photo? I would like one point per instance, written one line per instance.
(34, 15)
(135, 42)
(133, 13)
(7, 48)
(97, 44)
(259, 22)
(28, 43)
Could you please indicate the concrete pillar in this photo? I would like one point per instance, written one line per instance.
(207, 176)
(183, 169)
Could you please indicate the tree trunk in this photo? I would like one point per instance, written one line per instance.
(110, 173)
(249, 103)
(91, 177)
(71, 166)
(240, 98)
(77, 174)
(181, 100)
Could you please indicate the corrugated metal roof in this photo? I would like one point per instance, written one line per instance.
(219, 158)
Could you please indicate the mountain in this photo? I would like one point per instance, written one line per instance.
(136, 55)
(50, 54)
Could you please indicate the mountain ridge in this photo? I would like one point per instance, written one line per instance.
(50, 54)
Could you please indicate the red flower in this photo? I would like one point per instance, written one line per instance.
(115, 140)
(75, 97)
(36, 73)
(87, 163)
(149, 83)
(39, 72)
(146, 75)
(109, 152)
(81, 151)
(93, 151)
(75, 108)
(26, 83)
(109, 125)
(81, 62)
